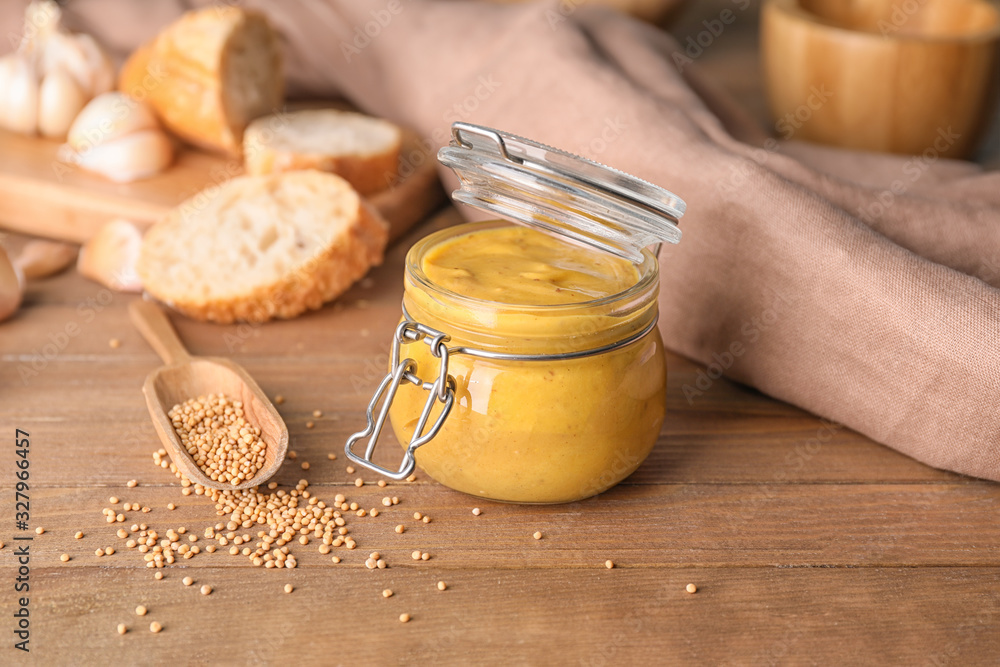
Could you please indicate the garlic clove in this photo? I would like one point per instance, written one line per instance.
(108, 117)
(110, 256)
(60, 100)
(11, 287)
(130, 158)
(41, 259)
(22, 98)
(102, 70)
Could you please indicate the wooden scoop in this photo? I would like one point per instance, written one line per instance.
(186, 377)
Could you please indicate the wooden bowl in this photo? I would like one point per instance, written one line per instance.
(898, 76)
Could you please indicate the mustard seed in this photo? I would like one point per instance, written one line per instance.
(131, 484)
(395, 500)
(336, 559)
(411, 478)
(122, 629)
(426, 519)
(350, 470)
(442, 586)
(171, 506)
(222, 443)
(317, 413)
(387, 593)
(79, 535)
(404, 618)
(158, 576)
(537, 535)
(122, 533)
(400, 529)
(113, 500)
(155, 627)
(415, 555)
(140, 611)
(292, 454)
(417, 516)
(332, 457)
(187, 581)
(289, 588)
(691, 588)
(359, 482)
(425, 556)
(381, 483)
(114, 343)
(476, 511)
(39, 530)
(99, 552)
(609, 564)
(373, 512)
(206, 590)
(64, 558)
(305, 465)
(310, 424)
(279, 399)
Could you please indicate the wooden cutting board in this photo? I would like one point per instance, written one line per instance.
(43, 197)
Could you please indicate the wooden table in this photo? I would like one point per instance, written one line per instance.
(809, 544)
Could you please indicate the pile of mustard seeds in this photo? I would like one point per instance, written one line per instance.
(223, 444)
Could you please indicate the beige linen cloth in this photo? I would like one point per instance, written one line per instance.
(860, 287)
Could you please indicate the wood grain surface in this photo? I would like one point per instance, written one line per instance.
(809, 544)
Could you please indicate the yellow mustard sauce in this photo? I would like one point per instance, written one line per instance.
(532, 431)
(518, 265)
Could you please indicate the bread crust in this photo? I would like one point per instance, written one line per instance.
(322, 278)
(182, 74)
(368, 172)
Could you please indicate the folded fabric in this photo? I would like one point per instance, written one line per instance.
(860, 287)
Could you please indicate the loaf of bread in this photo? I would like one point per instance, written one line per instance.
(262, 247)
(208, 75)
(361, 149)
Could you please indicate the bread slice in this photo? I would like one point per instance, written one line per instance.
(362, 149)
(262, 247)
(208, 75)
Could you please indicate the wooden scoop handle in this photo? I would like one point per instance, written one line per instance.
(154, 326)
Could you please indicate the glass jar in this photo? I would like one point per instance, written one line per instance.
(523, 402)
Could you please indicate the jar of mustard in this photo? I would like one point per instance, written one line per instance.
(527, 366)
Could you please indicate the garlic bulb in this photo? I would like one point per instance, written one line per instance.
(51, 76)
(11, 287)
(119, 138)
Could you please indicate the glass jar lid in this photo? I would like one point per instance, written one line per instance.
(560, 193)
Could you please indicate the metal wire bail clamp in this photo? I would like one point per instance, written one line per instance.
(441, 390)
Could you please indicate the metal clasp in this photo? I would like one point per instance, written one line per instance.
(441, 390)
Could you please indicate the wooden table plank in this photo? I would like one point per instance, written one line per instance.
(876, 616)
(659, 526)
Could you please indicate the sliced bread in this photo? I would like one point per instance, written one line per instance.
(209, 74)
(262, 247)
(361, 149)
